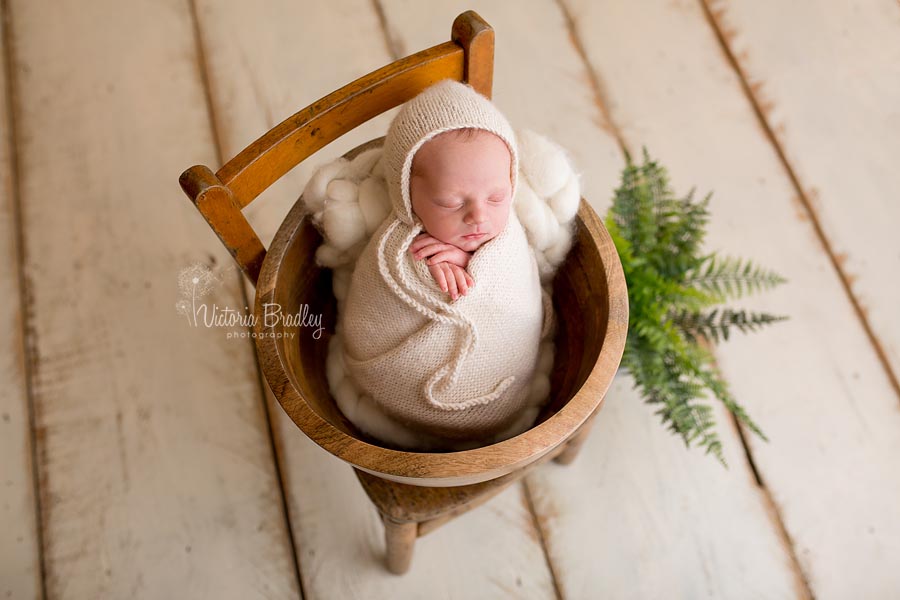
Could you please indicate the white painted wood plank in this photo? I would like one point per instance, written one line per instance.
(829, 81)
(297, 54)
(156, 470)
(636, 516)
(814, 383)
(20, 571)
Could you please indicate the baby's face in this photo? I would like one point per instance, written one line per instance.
(460, 188)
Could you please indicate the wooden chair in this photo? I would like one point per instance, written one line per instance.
(414, 492)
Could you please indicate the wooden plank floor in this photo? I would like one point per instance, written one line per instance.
(143, 458)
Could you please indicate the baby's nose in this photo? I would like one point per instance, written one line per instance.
(476, 215)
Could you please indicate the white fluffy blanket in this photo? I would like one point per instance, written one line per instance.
(348, 202)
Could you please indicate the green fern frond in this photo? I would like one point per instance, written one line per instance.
(716, 325)
(731, 278)
(671, 286)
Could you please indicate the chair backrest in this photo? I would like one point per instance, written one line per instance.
(220, 196)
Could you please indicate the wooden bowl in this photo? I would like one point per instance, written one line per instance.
(591, 303)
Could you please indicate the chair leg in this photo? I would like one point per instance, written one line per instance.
(400, 539)
(574, 445)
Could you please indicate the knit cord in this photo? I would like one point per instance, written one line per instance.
(455, 318)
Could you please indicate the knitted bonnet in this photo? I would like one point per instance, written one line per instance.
(442, 107)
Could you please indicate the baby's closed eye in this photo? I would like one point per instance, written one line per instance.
(449, 204)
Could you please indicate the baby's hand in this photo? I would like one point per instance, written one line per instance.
(447, 264)
(452, 278)
(426, 246)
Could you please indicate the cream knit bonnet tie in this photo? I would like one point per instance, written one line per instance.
(445, 106)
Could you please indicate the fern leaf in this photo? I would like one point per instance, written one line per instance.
(727, 277)
(711, 326)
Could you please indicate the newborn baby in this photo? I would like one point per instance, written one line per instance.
(438, 338)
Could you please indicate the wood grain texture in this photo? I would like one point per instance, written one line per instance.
(476, 37)
(156, 470)
(20, 567)
(635, 515)
(814, 383)
(400, 539)
(827, 83)
(338, 534)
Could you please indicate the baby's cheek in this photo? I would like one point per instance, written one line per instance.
(446, 229)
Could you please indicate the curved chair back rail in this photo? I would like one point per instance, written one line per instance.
(592, 304)
(220, 196)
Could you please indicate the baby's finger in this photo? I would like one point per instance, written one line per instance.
(421, 240)
(425, 240)
(432, 249)
(469, 279)
(440, 277)
(446, 254)
(451, 281)
(461, 282)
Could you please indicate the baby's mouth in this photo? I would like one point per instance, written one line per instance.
(475, 236)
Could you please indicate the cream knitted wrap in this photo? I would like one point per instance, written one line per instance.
(459, 370)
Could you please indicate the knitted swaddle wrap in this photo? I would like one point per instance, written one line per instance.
(456, 370)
